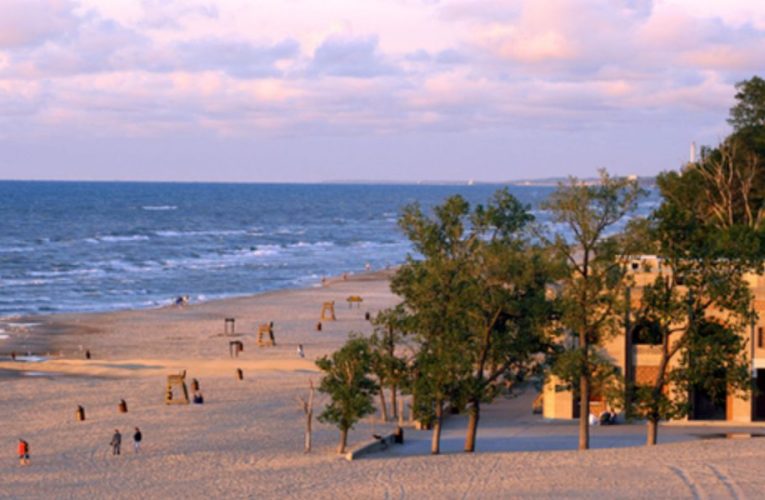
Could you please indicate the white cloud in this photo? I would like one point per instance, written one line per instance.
(240, 67)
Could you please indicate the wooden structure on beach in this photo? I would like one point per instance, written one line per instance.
(354, 299)
(328, 311)
(228, 326)
(266, 334)
(178, 380)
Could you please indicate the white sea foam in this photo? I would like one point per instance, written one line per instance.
(69, 272)
(13, 249)
(190, 234)
(290, 230)
(305, 244)
(31, 359)
(117, 239)
(265, 250)
(160, 207)
(25, 282)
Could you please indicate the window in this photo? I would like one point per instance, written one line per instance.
(760, 339)
(646, 333)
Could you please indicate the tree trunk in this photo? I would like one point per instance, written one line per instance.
(652, 430)
(584, 412)
(393, 406)
(472, 430)
(435, 444)
(383, 407)
(343, 440)
(308, 419)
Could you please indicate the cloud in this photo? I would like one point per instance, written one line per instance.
(226, 67)
(352, 57)
(169, 14)
(31, 22)
(240, 59)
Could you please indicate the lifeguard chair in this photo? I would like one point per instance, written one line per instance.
(266, 330)
(354, 299)
(178, 380)
(328, 311)
(234, 348)
(229, 326)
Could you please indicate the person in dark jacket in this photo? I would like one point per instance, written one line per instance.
(137, 437)
(116, 442)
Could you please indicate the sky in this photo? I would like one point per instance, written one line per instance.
(396, 90)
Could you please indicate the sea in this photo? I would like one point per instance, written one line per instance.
(103, 246)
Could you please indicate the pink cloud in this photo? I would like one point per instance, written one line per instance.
(30, 22)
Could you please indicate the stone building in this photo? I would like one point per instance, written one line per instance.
(638, 360)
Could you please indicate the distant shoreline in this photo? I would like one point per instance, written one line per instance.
(543, 182)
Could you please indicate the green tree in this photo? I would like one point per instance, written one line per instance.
(506, 303)
(749, 110)
(350, 389)
(431, 287)
(389, 367)
(593, 284)
(699, 300)
(476, 301)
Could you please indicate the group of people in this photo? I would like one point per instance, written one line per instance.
(116, 442)
(606, 417)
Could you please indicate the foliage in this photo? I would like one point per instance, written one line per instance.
(700, 299)
(594, 280)
(346, 382)
(749, 111)
(389, 367)
(475, 299)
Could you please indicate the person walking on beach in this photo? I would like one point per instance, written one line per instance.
(116, 442)
(137, 436)
(23, 452)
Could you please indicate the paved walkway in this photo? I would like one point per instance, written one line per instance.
(509, 425)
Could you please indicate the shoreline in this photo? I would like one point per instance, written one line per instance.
(35, 334)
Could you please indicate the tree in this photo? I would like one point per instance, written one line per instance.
(507, 304)
(700, 299)
(749, 111)
(389, 368)
(350, 389)
(476, 302)
(593, 284)
(431, 289)
(730, 177)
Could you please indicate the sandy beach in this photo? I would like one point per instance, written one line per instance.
(246, 440)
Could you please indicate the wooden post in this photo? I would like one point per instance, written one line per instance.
(239, 374)
(122, 406)
(195, 385)
(307, 405)
(318, 326)
(80, 413)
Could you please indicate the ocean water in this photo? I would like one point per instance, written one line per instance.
(77, 246)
